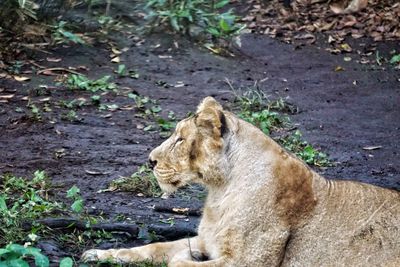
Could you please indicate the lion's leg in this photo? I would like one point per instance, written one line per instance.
(157, 252)
(220, 262)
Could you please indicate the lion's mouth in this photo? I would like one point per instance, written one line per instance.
(166, 180)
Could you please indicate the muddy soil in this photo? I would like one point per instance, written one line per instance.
(341, 112)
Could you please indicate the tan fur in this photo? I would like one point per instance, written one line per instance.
(264, 206)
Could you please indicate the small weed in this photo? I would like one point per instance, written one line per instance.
(133, 74)
(73, 104)
(265, 120)
(15, 255)
(303, 150)
(109, 107)
(81, 82)
(71, 116)
(74, 194)
(170, 221)
(23, 200)
(256, 109)
(121, 71)
(141, 101)
(142, 181)
(34, 112)
(61, 35)
(96, 99)
(395, 59)
(182, 15)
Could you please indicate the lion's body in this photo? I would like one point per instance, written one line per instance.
(264, 206)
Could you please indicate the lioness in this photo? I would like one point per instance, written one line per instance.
(264, 206)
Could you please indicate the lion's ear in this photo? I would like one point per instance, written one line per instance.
(209, 102)
(211, 121)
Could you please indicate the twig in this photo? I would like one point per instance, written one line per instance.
(71, 223)
(58, 69)
(171, 209)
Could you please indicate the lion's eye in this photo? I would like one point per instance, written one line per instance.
(180, 139)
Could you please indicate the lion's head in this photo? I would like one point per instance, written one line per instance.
(193, 153)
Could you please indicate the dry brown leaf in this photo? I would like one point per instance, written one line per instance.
(346, 48)
(21, 78)
(180, 210)
(339, 68)
(53, 59)
(49, 73)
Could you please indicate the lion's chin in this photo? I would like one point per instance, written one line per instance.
(167, 188)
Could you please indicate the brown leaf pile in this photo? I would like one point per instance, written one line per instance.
(380, 20)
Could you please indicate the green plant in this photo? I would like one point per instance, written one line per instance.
(395, 59)
(15, 255)
(81, 82)
(182, 14)
(303, 150)
(256, 109)
(35, 112)
(71, 116)
(73, 104)
(142, 181)
(265, 120)
(74, 194)
(23, 200)
(121, 71)
(61, 35)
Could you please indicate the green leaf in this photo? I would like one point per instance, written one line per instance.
(17, 263)
(41, 260)
(95, 99)
(224, 25)
(221, 3)
(73, 191)
(214, 32)
(3, 204)
(121, 70)
(174, 24)
(66, 262)
(17, 249)
(3, 251)
(395, 59)
(77, 206)
(155, 109)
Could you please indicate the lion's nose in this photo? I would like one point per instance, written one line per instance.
(152, 163)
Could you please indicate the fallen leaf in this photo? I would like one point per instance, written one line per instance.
(46, 99)
(21, 78)
(339, 68)
(53, 59)
(116, 60)
(7, 96)
(95, 172)
(116, 51)
(180, 210)
(371, 147)
(346, 47)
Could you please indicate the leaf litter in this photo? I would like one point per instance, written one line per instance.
(376, 19)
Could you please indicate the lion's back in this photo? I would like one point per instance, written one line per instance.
(358, 225)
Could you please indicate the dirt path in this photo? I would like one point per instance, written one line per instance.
(340, 112)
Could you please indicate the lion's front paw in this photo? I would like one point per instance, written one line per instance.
(91, 255)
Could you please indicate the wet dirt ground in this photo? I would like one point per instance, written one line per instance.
(341, 112)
